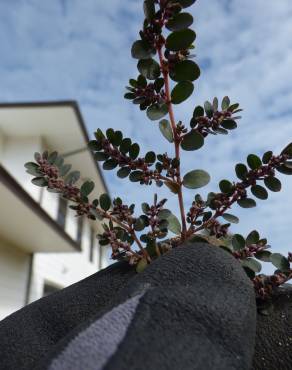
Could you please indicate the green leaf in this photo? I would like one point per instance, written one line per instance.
(230, 218)
(181, 92)
(37, 156)
(249, 272)
(52, 157)
(233, 107)
(142, 82)
(136, 176)
(72, 177)
(196, 179)
(134, 151)
(180, 40)
(33, 169)
(252, 238)
(40, 181)
(286, 170)
(149, 68)
(252, 264)
(125, 145)
(267, 156)
(241, 171)
(215, 104)
(166, 130)
(110, 134)
(246, 203)
(59, 162)
(225, 103)
(174, 224)
(150, 157)
(94, 145)
(100, 156)
(139, 224)
(149, 9)
(198, 112)
(238, 242)
(229, 124)
(164, 214)
(192, 141)
(99, 135)
(288, 150)
(141, 265)
(117, 138)
(65, 169)
(172, 186)
(186, 70)
(157, 111)
(179, 22)
(280, 262)
(273, 184)
(142, 50)
(110, 164)
(145, 207)
(254, 161)
(259, 192)
(208, 109)
(225, 186)
(87, 188)
(263, 256)
(105, 202)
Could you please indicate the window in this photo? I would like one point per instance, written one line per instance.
(49, 289)
(79, 229)
(62, 211)
(92, 244)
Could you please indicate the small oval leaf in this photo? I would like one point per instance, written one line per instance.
(259, 192)
(181, 92)
(192, 141)
(196, 179)
(105, 202)
(180, 40)
(156, 111)
(247, 203)
(166, 130)
(273, 184)
(179, 22)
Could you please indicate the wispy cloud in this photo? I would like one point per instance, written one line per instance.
(62, 49)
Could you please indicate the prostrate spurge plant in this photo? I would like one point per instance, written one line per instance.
(152, 92)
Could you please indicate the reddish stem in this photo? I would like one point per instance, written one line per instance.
(176, 142)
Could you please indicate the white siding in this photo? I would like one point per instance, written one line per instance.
(16, 152)
(14, 268)
(63, 269)
(58, 269)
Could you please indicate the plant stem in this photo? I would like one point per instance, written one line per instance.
(143, 250)
(176, 142)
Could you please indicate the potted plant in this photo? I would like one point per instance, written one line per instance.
(150, 240)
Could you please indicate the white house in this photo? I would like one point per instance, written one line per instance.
(43, 246)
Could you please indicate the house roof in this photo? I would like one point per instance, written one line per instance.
(53, 122)
(71, 104)
(23, 219)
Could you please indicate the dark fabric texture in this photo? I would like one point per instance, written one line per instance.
(273, 350)
(198, 312)
(30, 333)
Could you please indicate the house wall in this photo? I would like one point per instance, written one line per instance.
(63, 269)
(57, 269)
(14, 270)
(17, 151)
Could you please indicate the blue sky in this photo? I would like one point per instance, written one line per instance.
(73, 49)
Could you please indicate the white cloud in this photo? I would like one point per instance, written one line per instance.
(81, 50)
